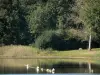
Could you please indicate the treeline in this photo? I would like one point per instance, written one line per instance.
(56, 24)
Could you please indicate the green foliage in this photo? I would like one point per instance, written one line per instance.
(55, 24)
(52, 14)
(41, 19)
(49, 39)
(45, 39)
(89, 14)
(14, 28)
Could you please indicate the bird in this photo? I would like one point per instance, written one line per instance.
(37, 69)
(48, 70)
(27, 66)
(53, 70)
(42, 69)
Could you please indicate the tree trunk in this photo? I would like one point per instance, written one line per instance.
(89, 48)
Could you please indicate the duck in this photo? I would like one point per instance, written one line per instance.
(37, 69)
(53, 70)
(42, 69)
(27, 66)
(48, 70)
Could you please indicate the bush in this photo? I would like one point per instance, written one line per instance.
(49, 39)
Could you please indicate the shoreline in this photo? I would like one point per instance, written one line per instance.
(28, 52)
(48, 57)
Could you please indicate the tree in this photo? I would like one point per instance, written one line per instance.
(51, 14)
(50, 39)
(14, 28)
(89, 14)
(4, 25)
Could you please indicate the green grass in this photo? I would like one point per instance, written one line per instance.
(14, 51)
(20, 51)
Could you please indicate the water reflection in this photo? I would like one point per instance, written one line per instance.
(44, 66)
(39, 69)
(74, 67)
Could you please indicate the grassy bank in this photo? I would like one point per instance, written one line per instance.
(14, 51)
(25, 52)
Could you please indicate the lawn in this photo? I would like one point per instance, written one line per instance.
(19, 51)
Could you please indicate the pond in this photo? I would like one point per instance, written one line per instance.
(47, 66)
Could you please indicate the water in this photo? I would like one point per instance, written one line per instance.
(61, 66)
(49, 74)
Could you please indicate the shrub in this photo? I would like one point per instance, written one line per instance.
(49, 39)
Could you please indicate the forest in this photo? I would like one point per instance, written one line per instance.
(55, 24)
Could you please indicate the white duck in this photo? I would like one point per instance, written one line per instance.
(37, 69)
(42, 69)
(48, 70)
(53, 70)
(27, 66)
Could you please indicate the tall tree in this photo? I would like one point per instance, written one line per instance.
(89, 14)
(14, 28)
(4, 20)
(50, 14)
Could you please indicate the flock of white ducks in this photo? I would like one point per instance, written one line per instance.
(38, 69)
